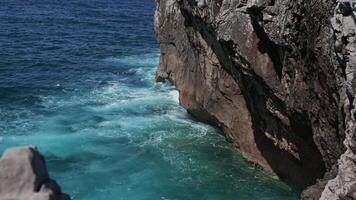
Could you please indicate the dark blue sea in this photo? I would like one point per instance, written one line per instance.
(77, 80)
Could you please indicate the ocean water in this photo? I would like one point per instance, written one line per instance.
(77, 80)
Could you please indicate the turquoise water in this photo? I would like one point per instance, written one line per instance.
(77, 80)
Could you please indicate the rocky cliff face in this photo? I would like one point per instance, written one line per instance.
(24, 176)
(276, 76)
(343, 186)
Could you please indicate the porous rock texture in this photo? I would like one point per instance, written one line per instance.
(24, 176)
(277, 76)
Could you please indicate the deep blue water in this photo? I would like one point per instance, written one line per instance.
(77, 80)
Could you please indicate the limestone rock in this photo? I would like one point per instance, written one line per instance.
(24, 176)
(343, 186)
(278, 78)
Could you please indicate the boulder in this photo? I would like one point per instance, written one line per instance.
(24, 176)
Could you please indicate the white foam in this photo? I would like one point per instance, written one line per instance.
(174, 94)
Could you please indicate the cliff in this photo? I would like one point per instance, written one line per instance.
(24, 176)
(277, 76)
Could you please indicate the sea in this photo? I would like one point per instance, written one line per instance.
(77, 80)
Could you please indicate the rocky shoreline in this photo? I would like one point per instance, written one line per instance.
(276, 76)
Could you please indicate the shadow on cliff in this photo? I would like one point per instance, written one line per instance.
(266, 45)
(299, 163)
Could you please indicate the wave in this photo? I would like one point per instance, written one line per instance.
(127, 138)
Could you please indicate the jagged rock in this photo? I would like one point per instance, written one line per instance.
(201, 3)
(343, 186)
(24, 176)
(276, 76)
(345, 8)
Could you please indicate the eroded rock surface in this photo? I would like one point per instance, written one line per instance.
(343, 186)
(24, 176)
(275, 75)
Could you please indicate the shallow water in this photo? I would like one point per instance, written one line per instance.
(77, 80)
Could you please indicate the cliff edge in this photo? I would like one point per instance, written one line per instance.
(277, 76)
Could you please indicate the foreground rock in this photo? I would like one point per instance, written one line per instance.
(278, 78)
(24, 176)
